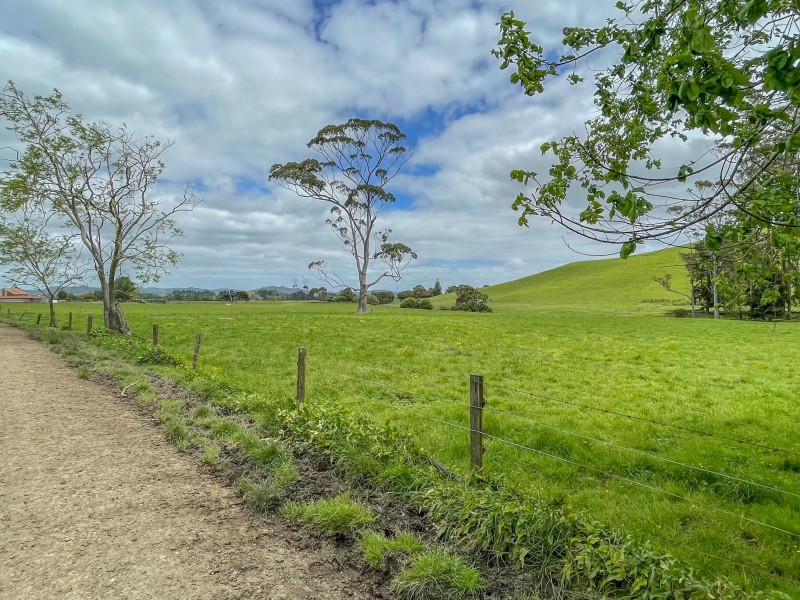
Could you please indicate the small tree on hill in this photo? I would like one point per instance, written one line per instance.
(359, 159)
(471, 299)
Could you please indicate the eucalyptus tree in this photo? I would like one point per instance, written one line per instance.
(726, 71)
(100, 181)
(358, 160)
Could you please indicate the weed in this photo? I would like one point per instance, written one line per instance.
(211, 454)
(178, 432)
(379, 550)
(434, 574)
(262, 495)
(338, 516)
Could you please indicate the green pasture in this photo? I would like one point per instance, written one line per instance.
(610, 345)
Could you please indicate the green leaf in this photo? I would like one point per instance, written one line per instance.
(627, 249)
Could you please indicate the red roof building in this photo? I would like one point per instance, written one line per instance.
(14, 294)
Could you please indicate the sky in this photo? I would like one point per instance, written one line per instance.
(242, 84)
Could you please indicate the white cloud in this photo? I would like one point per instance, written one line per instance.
(243, 84)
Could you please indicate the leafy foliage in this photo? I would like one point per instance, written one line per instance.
(727, 70)
(471, 299)
(135, 349)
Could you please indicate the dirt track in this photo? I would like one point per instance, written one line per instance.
(94, 503)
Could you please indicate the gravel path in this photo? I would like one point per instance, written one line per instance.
(94, 503)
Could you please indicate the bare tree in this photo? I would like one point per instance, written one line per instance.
(360, 157)
(100, 181)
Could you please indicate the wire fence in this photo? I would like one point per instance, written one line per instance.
(478, 407)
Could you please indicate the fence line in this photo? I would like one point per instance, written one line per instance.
(642, 484)
(646, 420)
(473, 431)
(581, 465)
(642, 452)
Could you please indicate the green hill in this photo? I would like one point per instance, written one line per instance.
(611, 285)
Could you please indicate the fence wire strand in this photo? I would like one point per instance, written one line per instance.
(646, 420)
(691, 502)
(486, 409)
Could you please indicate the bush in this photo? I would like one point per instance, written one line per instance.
(425, 304)
(409, 303)
(470, 299)
(384, 297)
(346, 295)
(373, 300)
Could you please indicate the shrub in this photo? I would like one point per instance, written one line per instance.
(409, 303)
(346, 295)
(424, 304)
(470, 299)
(373, 300)
(384, 296)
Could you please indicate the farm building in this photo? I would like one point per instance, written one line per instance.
(14, 294)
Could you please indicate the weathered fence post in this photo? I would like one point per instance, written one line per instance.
(22, 316)
(301, 375)
(155, 334)
(70, 322)
(197, 340)
(476, 404)
(89, 320)
(39, 319)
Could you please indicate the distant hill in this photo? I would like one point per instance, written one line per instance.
(607, 285)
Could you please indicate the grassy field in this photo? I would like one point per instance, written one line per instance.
(593, 334)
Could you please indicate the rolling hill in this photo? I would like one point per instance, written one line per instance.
(612, 285)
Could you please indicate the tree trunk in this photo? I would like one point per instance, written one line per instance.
(113, 317)
(716, 298)
(118, 321)
(52, 312)
(362, 293)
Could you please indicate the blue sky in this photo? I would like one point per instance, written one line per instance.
(243, 84)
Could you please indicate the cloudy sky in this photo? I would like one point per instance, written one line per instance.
(242, 84)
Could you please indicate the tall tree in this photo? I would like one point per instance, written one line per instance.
(100, 181)
(724, 69)
(44, 261)
(359, 159)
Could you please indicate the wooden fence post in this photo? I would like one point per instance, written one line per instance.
(155, 334)
(39, 319)
(301, 375)
(197, 340)
(476, 404)
(89, 320)
(70, 322)
(22, 316)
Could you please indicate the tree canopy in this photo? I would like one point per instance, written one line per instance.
(359, 159)
(98, 181)
(727, 71)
